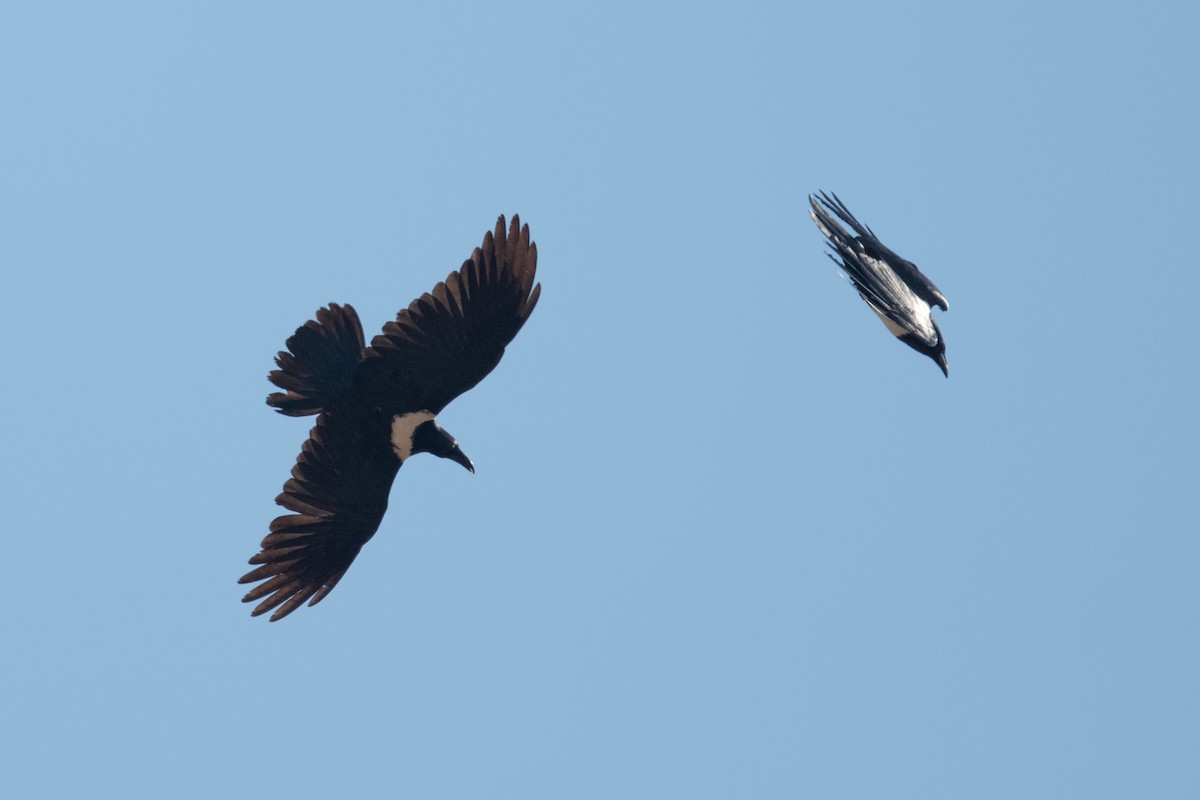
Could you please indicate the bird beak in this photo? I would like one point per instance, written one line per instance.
(460, 457)
(941, 362)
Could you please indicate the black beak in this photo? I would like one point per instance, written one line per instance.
(940, 358)
(460, 457)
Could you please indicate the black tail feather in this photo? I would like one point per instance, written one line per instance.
(320, 361)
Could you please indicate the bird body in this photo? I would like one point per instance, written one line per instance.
(377, 407)
(893, 287)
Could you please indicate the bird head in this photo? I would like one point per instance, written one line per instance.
(938, 351)
(429, 437)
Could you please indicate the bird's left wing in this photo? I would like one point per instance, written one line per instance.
(449, 339)
(337, 494)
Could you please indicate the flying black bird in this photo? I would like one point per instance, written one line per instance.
(894, 288)
(377, 407)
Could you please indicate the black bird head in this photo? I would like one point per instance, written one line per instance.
(429, 437)
(937, 352)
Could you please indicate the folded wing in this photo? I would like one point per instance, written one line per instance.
(871, 267)
(868, 246)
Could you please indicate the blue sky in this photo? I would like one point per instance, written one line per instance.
(726, 537)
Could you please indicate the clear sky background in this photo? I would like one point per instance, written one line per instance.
(727, 537)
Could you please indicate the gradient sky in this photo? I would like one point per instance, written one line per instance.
(727, 538)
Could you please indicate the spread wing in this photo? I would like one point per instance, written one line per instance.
(449, 339)
(868, 247)
(338, 494)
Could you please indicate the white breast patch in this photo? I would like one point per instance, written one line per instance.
(403, 426)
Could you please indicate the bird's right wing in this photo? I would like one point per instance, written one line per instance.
(337, 494)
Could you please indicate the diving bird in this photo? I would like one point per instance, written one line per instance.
(377, 407)
(893, 287)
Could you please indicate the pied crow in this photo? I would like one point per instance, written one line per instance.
(377, 406)
(893, 287)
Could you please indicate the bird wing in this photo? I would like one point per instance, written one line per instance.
(888, 296)
(872, 275)
(449, 339)
(869, 244)
(338, 494)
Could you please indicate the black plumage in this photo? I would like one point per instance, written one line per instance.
(892, 286)
(376, 408)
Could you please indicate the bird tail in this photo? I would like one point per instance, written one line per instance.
(319, 363)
